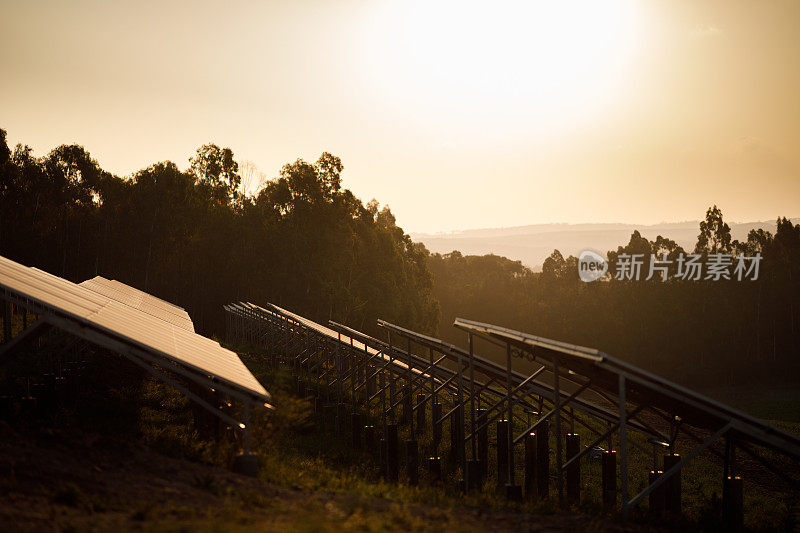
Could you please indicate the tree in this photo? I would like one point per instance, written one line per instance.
(715, 234)
(308, 244)
(329, 168)
(252, 179)
(637, 246)
(215, 167)
(5, 152)
(555, 266)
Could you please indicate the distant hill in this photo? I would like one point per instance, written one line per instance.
(532, 244)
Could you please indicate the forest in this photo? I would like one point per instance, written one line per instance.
(196, 239)
(199, 239)
(702, 333)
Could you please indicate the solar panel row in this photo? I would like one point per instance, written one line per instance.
(654, 391)
(490, 371)
(137, 319)
(331, 334)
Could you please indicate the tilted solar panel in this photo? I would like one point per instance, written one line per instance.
(140, 300)
(334, 335)
(129, 324)
(604, 371)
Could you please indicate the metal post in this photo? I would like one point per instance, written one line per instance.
(530, 466)
(391, 379)
(656, 499)
(483, 443)
(433, 379)
(247, 428)
(732, 512)
(353, 374)
(421, 402)
(407, 406)
(543, 459)
(502, 453)
(412, 455)
(509, 399)
(726, 464)
(382, 386)
(557, 414)
(623, 447)
(672, 491)
(391, 453)
(339, 402)
(609, 479)
(453, 456)
(356, 427)
(461, 446)
(369, 440)
(407, 398)
(435, 469)
(732, 490)
(472, 393)
(367, 382)
(436, 410)
(6, 320)
(573, 446)
(286, 343)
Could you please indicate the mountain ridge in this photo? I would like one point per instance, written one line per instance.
(533, 243)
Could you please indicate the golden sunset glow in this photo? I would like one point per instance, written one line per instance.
(426, 265)
(523, 60)
(457, 114)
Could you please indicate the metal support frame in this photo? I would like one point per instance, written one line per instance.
(505, 391)
(33, 332)
(49, 320)
(672, 471)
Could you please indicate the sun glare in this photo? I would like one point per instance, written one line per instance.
(523, 58)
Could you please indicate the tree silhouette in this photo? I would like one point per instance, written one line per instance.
(215, 167)
(196, 238)
(715, 234)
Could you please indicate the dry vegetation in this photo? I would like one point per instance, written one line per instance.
(128, 456)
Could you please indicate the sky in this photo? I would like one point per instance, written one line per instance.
(456, 114)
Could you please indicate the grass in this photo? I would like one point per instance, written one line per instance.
(301, 456)
(300, 453)
(769, 403)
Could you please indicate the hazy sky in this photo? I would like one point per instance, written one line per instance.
(456, 114)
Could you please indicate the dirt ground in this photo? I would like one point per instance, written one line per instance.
(56, 481)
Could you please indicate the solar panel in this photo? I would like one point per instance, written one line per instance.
(491, 369)
(132, 325)
(604, 371)
(140, 300)
(334, 335)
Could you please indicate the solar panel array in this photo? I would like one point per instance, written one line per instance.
(604, 371)
(330, 334)
(490, 370)
(136, 322)
(585, 402)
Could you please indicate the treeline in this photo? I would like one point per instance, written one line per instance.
(702, 333)
(197, 239)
